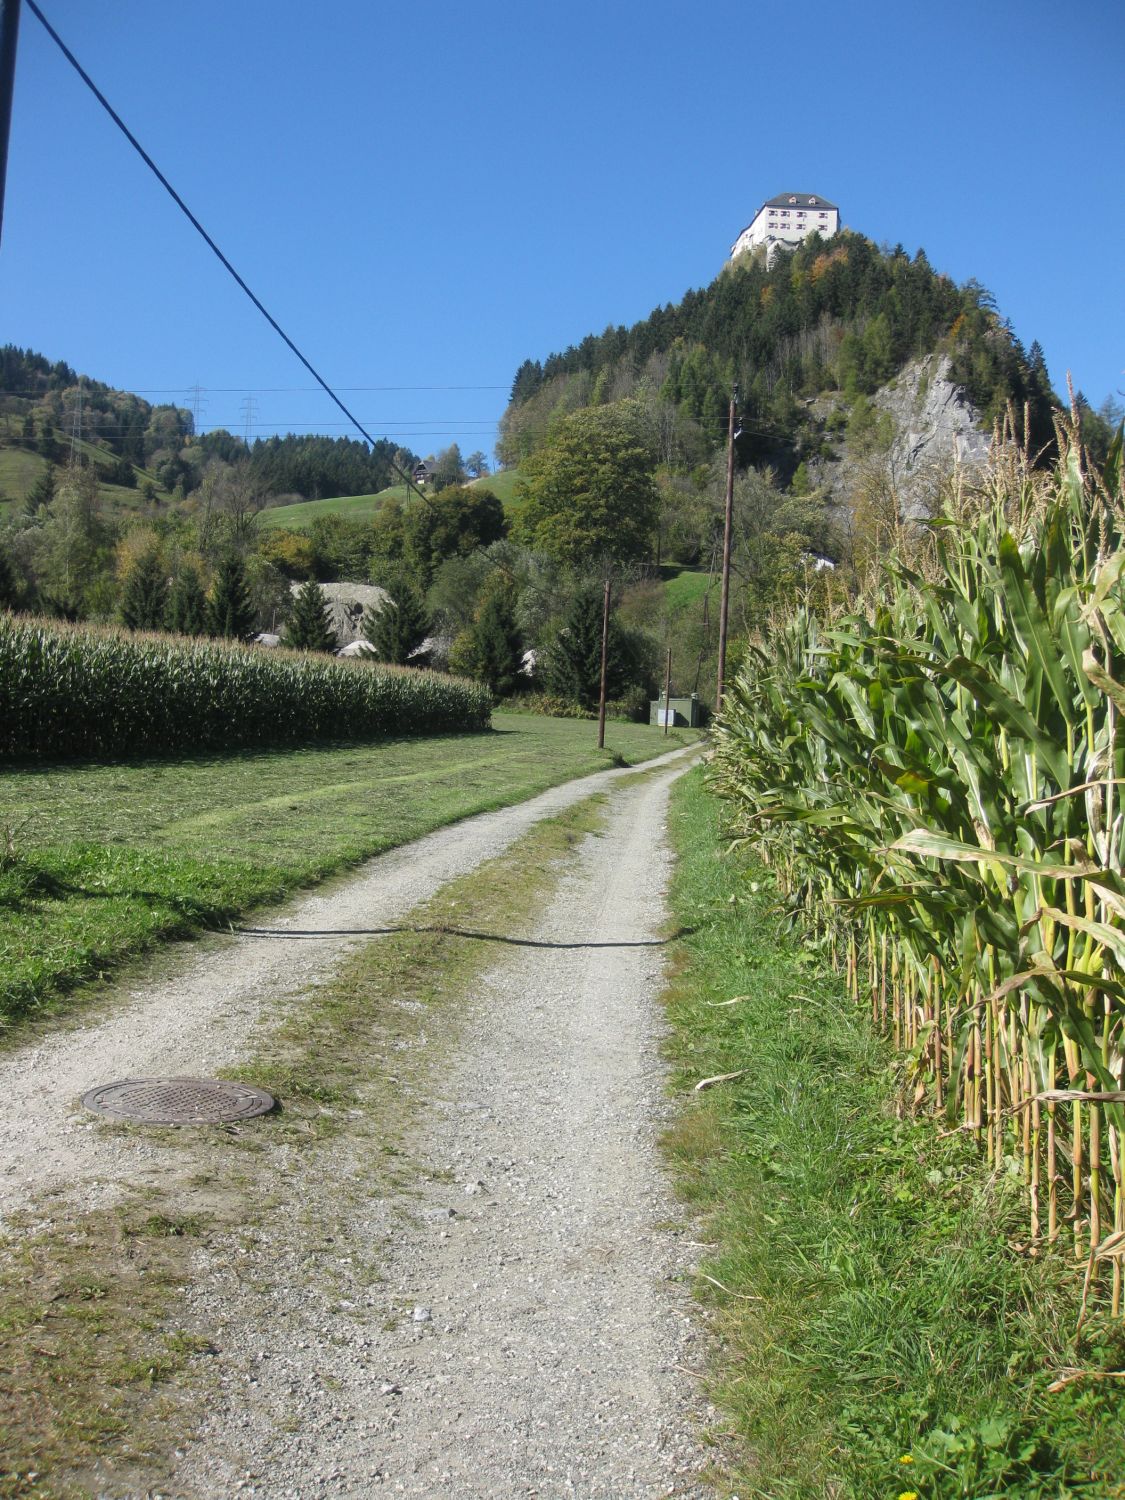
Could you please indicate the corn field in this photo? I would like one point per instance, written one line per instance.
(936, 776)
(69, 691)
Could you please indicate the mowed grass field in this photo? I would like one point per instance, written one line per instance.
(100, 861)
(363, 507)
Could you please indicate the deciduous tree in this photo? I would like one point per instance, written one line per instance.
(452, 523)
(588, 496)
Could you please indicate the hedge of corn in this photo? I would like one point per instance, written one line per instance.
(67, 691)
(938, 777)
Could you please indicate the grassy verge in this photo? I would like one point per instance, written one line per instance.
(98, 862)
(107, 1365)
(880, 1332)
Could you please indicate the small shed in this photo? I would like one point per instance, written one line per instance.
(685, 713)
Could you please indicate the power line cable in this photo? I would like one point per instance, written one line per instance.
(160, 177)
(407, 478)
(242, 390)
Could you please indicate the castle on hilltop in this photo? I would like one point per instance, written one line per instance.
(785, 221)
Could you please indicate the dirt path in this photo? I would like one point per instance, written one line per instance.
(543, 1331)
(196, 1020)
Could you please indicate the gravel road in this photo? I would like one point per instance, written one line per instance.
(540, 1330)
(529, 1330)
(196, 1019)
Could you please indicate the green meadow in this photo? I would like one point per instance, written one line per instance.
(102, 860)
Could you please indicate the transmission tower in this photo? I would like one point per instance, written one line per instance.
(76, 424)
(198, 402)
(248, 412)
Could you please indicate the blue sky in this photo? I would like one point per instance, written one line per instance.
(426, 196)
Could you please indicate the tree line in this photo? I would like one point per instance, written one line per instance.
(839, 314)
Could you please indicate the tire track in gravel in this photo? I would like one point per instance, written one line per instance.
(196, 1018)
(531, 1331)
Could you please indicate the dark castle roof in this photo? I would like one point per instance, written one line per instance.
(798, 200)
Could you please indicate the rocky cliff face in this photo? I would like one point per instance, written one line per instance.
(928, 428)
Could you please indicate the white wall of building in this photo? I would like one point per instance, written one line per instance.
(788, 224)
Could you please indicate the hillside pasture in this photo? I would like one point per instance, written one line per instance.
(301, 514)
(686, 587)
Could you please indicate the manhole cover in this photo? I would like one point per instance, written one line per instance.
(178, 1101)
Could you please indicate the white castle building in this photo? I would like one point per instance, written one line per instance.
(787, 220)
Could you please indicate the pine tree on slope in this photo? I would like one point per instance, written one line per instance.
(399, 626)
(145, 596)
(309, 626)
(187, 604)
(229, 611)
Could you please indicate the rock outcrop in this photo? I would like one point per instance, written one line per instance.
(933, 429)
(936, 428)
(347, 603)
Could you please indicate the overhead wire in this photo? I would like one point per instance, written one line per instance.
(160, 177)
(252, 390)
(406, 477)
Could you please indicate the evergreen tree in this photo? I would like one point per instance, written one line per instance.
(229, 612)
(495, 647)
(399, 627)
(8, 589)
(572, 667)
(187, 604)
(145, 596)
(42, 492)
(309, 626)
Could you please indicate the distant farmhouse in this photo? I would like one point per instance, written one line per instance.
(787, 220)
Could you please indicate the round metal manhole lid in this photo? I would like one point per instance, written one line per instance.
(178, 1101)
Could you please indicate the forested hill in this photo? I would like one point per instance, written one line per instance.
(45, 404)
(837, 314)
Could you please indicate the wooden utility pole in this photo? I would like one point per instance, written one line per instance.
(724, 605)
(9, 33)
(667, 689)
(605, 658)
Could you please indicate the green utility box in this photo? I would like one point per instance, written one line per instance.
(683, 713)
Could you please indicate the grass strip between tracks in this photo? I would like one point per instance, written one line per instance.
(880, 1332)
(102, 861)
(107, 1363)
